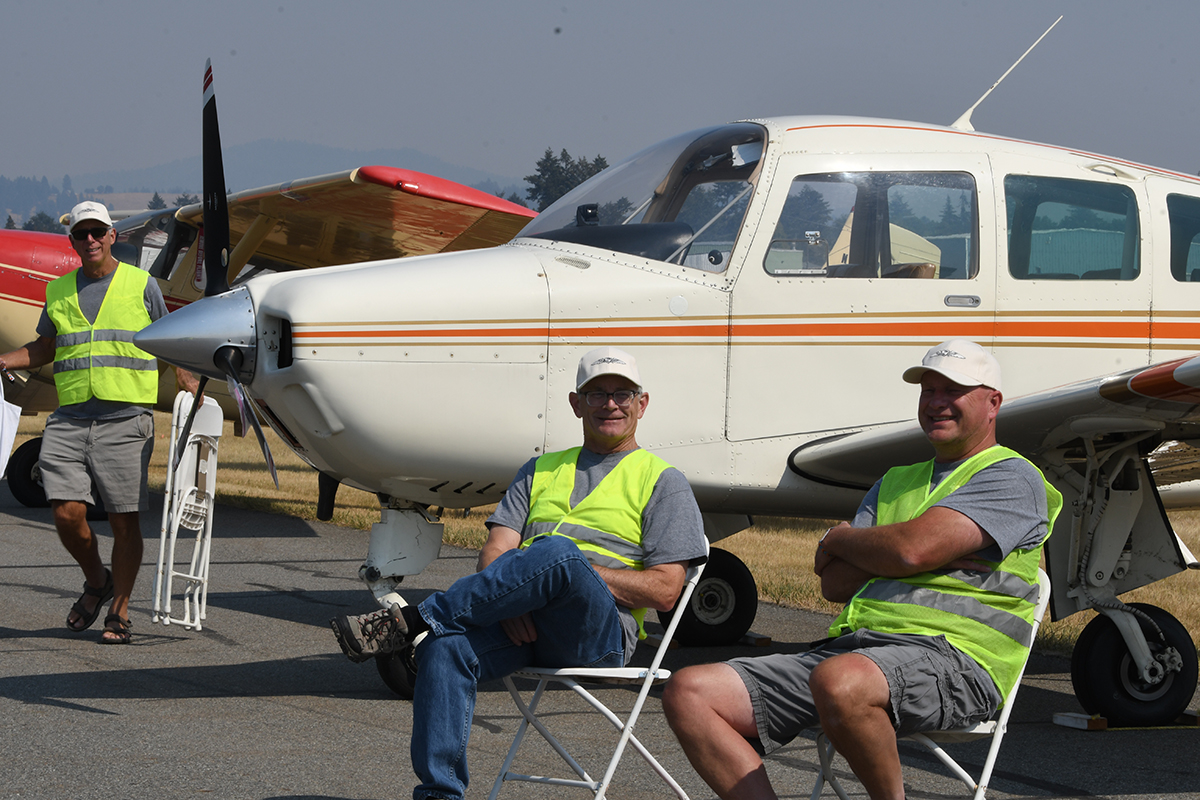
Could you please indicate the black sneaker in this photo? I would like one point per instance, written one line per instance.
(367, 635)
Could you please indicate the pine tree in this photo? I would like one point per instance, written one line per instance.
(156, 202)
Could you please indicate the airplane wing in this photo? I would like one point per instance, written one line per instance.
(365, 214)
(1090, 439)
(1161, 401)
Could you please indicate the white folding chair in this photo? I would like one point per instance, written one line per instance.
(994, 728)
(189, 502)
(572, 677)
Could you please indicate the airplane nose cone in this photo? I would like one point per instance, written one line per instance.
(190, 336)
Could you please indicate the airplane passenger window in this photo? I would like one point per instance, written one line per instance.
(1184, 214)
(877, 225)
(1062, 229)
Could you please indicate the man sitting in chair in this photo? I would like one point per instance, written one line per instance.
(939, 573)
(584, 541)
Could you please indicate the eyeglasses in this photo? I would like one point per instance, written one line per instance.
(622, 397)
(82, 234)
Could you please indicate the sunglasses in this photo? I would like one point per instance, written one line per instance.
(82, 234)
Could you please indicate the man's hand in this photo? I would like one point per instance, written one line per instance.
(520, 629)
(822, 558)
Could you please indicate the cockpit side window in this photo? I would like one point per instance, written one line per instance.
(1184, 214)
(877, 225)
(1061, 229)
(153, 242)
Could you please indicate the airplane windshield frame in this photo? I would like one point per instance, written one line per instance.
(688, 193)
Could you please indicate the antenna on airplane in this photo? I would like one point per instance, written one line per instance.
(963, 123)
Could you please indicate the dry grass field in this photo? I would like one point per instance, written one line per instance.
(777, 550)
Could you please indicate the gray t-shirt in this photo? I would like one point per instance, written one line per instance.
(672, 529)
(1006, 499)
(91, 297)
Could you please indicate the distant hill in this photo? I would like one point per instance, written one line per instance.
(270, 161)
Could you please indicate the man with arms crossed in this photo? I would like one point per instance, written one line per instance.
(584, 541)
(103, 430)
(939, 573)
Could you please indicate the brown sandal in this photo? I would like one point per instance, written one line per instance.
(119, 627)
(88, 618)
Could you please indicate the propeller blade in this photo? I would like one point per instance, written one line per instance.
(197, 401)
(216, 208)
(229, 359)
(237, 391)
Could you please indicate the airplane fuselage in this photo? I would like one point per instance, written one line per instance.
(859, 244)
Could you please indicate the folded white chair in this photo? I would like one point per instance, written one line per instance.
(188, 504)
(994, 728)
(572, 678)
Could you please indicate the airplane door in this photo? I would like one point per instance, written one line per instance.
(1175, 228)
(1072, 294)
(860, 264)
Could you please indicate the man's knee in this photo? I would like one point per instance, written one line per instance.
(846, 682)
(692, 691)
(68, 514)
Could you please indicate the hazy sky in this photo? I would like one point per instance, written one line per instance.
(93, 85)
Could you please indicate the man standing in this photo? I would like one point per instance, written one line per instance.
(584, 541)
(103, 431)
(939, 574)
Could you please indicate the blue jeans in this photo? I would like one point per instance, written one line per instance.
(577, 624)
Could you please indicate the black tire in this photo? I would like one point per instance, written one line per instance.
(1107, 681)
(25, 477)
(398, 671)
(722, 607)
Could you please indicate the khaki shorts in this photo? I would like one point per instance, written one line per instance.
(111, 455)
(933, 685)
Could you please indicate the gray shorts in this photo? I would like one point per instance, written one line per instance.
(113, 455)
(933, 685)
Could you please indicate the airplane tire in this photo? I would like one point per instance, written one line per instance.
(1107, 682)
(723, 605)
(25, 477)
(398, 671)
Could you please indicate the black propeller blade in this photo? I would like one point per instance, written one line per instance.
(216, 267)
(216, 208)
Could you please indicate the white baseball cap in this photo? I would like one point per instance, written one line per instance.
(606, 361)
(89, 209)
(960, 360)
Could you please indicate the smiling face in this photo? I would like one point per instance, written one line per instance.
(609, 428)
(95, 253)
(959, 421)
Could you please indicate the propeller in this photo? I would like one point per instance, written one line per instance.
(215, 245)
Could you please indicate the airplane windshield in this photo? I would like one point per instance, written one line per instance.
(153, 242)
(680, 201)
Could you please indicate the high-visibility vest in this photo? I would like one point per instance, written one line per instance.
(607, 524)
(99, 359)
(987, 615)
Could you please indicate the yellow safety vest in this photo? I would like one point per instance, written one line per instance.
(99, 359)
(607, 524)
(987, 615)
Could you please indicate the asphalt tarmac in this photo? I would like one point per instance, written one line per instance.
(262, 704)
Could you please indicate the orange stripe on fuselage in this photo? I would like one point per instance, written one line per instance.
(1048, 329)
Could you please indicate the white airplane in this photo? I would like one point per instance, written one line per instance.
(774, 277)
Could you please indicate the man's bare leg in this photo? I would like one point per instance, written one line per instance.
(70, 520)
(126, 558)
(709, 709)
(853, 701)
